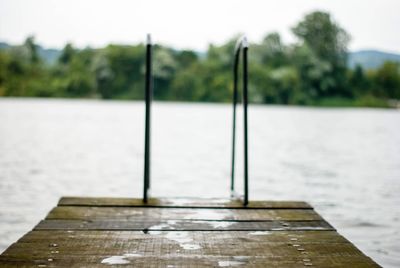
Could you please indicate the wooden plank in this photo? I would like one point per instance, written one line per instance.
(195, 261)
(130, 236)
(168, 242)
(206, 249)
(182, 225)
(179, 202)
(141, 214)
(163, 245)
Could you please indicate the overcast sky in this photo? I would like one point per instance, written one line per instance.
(190, 24)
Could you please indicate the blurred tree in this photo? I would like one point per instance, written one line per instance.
(186, 58)
(387, 81)
(165, 68)
(328, 43)
(126, 63)
(358, 81)
(187, 84)
(325, 38)
(67, 53)
(314, 74)
(4, 59)
(32, 49)
(273, 51)
(103, 75)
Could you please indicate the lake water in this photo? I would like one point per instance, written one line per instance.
(345, 162)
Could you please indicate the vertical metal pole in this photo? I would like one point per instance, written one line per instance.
(241, 46)
(245, 100)
(235, 93)
(148, 98)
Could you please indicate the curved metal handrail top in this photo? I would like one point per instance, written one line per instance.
(148, 40)
(241, 42)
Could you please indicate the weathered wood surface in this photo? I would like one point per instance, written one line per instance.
(140, 213)
(182, 225)
(91, 232)
(178, 202)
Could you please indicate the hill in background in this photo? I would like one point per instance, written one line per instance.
(371, 59)
(49, 55)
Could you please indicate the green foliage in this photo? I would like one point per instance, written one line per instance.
(325, 54)
(67, 54)
(325, 38)
(311, 71)
(359, 82)
(33, 50)
(387, 81)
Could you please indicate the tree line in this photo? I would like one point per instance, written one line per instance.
(311, 71)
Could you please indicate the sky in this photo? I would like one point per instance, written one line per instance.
(372, 24)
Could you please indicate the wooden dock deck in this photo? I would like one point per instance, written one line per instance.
(101, 232)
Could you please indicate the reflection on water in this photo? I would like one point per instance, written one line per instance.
(345, 162)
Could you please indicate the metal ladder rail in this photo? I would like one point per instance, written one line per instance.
(148, 100)
(241, 46)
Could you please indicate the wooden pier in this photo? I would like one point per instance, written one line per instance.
(101, 232)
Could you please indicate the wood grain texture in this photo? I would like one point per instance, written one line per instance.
(182, 225)
(90, 232)
(178, 202)
(141, 214)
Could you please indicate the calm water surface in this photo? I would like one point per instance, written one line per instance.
(345, 162)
